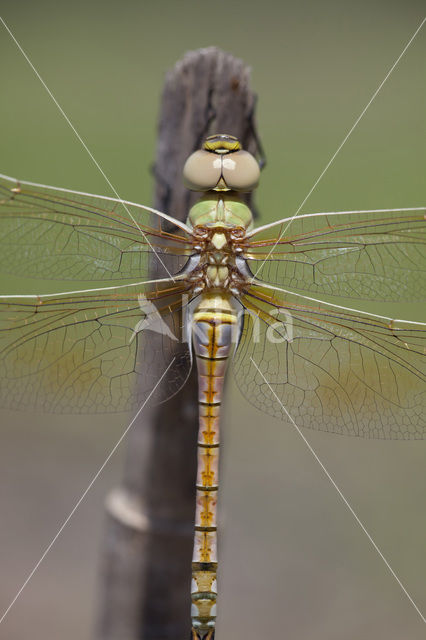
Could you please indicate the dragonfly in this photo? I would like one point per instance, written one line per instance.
(226, 291)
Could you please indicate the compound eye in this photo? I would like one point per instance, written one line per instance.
(202, 171)
(240, 171)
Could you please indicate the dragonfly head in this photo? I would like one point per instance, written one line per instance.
(221, 165)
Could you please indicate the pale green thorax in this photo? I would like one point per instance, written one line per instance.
(221, 209)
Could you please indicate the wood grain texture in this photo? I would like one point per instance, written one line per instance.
(146, 562)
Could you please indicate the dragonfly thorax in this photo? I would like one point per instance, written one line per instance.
(216, 209)
(217, 263)
(218, 278)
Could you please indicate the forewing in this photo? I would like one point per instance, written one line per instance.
(67, 235)
(366, 255)
(331, 369)
(91, 352)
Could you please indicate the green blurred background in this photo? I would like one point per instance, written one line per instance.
(295, 564)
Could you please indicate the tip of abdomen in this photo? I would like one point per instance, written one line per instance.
(199, 634)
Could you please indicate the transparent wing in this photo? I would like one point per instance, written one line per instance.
(331, 369)
(367, 255)
(67, 235)
(92, 351)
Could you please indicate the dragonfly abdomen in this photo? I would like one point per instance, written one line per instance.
(214, 327)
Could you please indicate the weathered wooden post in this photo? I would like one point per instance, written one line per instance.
(146, 564)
